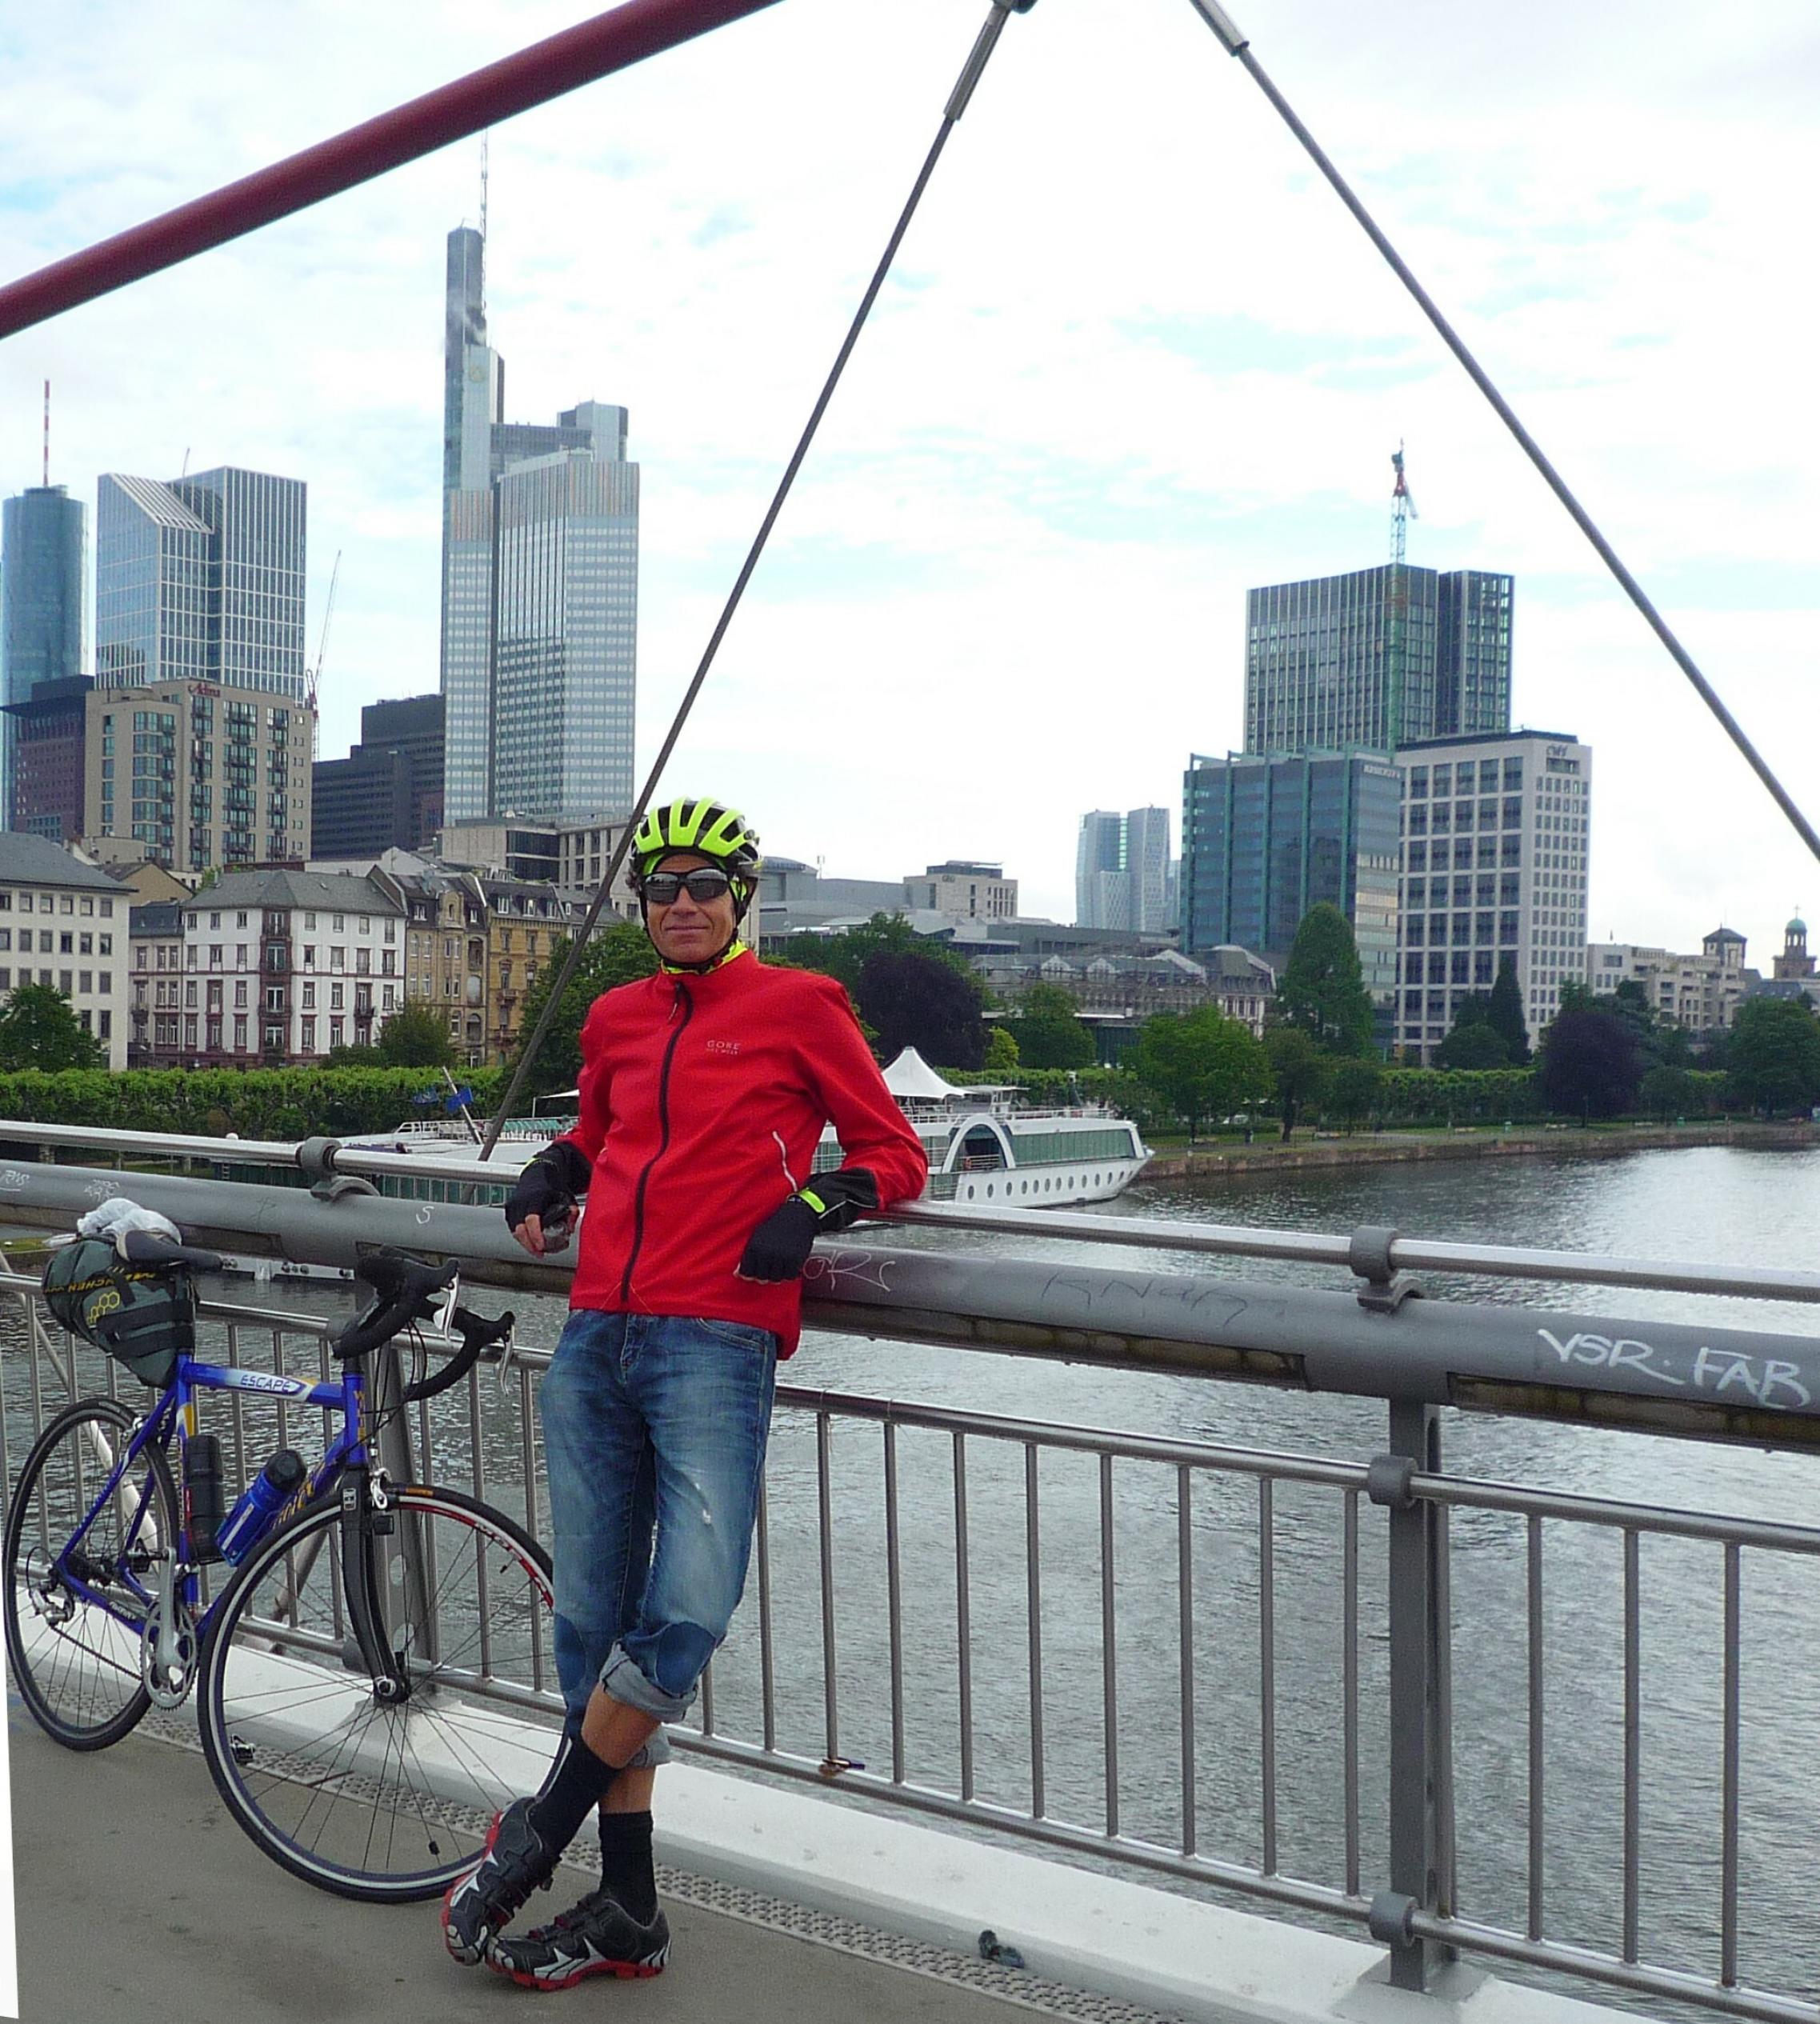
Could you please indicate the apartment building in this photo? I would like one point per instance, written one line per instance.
(63, 923)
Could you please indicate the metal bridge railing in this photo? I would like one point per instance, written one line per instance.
(1355, 1685)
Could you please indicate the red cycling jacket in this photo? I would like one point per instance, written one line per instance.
(702, 1099)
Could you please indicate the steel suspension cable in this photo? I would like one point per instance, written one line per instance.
(958, 100)
(1237, 44)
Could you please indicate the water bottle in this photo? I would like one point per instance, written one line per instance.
(202, 1495)
(262, 1501)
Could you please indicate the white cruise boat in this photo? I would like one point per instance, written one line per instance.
(983, 1145)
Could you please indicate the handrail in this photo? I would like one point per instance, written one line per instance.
(1388, 1251)
(1703, 1381)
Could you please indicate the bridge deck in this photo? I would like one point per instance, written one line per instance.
(139, 1898)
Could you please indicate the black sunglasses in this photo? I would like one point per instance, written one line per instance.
(705, 886)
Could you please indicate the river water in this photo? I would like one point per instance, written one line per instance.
(1722, 1206)
(1713, 1205)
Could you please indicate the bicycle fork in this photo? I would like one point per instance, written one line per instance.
(367, 1522)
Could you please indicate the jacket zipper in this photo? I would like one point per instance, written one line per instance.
(686, 1004)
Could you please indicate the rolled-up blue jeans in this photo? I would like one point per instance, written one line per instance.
(654, 1432)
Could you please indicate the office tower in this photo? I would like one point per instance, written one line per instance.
(1497, 830)
(42, 537)
(540, 588)
(1146, 866)
(1265, 839)
(1099, 871)
(201, 580)
(47, 763)
(387, 793)
(199, 737)
(1377, 659)
(1123, 872)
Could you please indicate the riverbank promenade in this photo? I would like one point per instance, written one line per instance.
(138, 1899)
(1216, 1158)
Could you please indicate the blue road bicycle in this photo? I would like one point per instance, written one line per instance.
(381, 1656)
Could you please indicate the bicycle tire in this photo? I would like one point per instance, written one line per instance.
(388, 1804)
(69, 1655)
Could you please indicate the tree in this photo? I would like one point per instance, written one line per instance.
(846, 955)
(1667, 1093)
(1773, 1054)
(39, 1029)
(1473, 1043)
(1321, 991)
(1000, 1049)
(1300, 1070)
(1504, 1014)
(1202, 1064)
(620, 954)
(1590, 1066)
(1048, 1033)
(415, 1037)
(913, 999)
(1356, 1087)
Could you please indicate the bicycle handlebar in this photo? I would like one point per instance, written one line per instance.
(403, 1292)
(478, 1333)
(402, 1288)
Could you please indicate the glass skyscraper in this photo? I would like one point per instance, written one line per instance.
(1265, 839)
(1377, 658)
(43, 536)
(1122, 872)
(540, 588)
(199, 670)
(200, 579)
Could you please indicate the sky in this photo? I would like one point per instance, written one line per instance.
(1135, 358)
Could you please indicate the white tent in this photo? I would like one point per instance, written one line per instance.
(911, 1077)
(911, 1080)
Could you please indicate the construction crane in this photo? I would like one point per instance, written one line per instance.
(1402, 510)
(315, 680)
(1397, 606)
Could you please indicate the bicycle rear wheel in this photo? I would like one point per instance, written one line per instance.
(81, 1570)
(385, 1801)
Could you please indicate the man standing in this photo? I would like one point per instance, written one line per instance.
(704, 1090)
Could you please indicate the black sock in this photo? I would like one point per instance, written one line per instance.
(625, 1869)
(577, 1784)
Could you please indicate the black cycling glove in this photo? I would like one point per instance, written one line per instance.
(779, 1248)
(549, 1186)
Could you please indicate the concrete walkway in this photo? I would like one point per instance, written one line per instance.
(138, 1899)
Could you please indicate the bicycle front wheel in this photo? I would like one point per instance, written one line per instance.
(388, 1801)
(84, 1538)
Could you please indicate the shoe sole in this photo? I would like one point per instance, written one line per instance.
(620, 1970)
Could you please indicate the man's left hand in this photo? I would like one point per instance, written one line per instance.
(779, 1248)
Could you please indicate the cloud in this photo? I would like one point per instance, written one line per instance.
(1136, 359)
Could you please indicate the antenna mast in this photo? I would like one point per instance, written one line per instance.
(47, 435)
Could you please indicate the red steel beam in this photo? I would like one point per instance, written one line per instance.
(593, 49)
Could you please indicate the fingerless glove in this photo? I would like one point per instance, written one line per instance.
(549, 1184)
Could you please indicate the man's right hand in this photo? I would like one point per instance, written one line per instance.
(541, 1210)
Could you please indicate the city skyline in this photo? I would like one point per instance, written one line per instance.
(1075, 594)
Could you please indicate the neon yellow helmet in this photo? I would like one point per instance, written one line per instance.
(704, 824)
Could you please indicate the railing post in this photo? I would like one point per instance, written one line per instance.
(1419, 1749)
